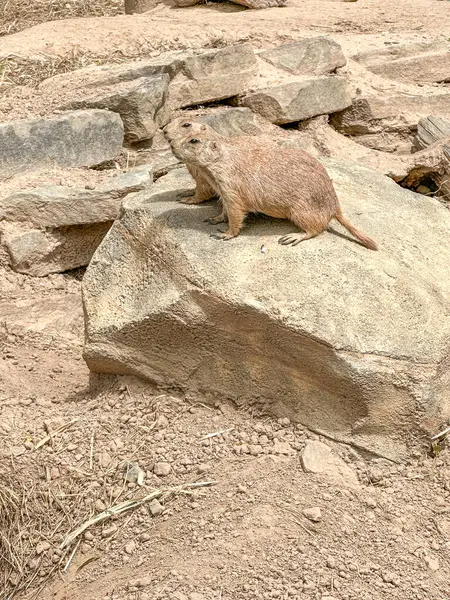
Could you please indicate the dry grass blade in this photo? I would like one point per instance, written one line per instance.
(16, 15)
(10, 503)
(127, 505)
(115, 510)
(25, 520)
(215, 434)
(51, 435)
(441, 435)
(15, 70)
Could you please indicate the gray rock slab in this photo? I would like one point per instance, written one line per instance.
(58, 206)
(299, 100)
(74, 139)
(307, 56)
(390, 113)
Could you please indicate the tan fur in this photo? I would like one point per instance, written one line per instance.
(182, 128)
(255, 175)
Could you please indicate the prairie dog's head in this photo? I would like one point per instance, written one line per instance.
(198, 150)
(183, 127)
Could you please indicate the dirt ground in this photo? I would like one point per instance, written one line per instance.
(383, 530)
(384, 535)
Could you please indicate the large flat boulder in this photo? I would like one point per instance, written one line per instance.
(75, 139)
(307, 56)
(60, 205)
(299, 100)
(349, 342)
(372, 114)
(416, 63)
(138, 103)
(232, 121)
(55, 228)
(211, 76)
(39, 252)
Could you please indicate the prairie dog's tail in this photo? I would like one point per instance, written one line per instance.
(364, 239)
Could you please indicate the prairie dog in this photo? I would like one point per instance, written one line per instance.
(184, 127)
(262, 177)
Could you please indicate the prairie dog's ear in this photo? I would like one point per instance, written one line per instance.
(214, 145)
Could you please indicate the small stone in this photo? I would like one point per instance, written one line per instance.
(54, 473)
(88, 536)
(155, 507)
(133, 473)
(130, 547)
(255, 449)
(162, 469)
(72, 447)
(434, 545)
(142, 582)
(145, 537)
(284, 421)
(331, 562)
(319, 458)
(375, 475)
(282, 448)
(42, 547)
(29, 445)
(109, 531)
(313, 514)
(103, 459)
(162, 422)
(202, 468)
(388, 577)
(100, 506)
(431, 562)
(423, 189)
(370, 503)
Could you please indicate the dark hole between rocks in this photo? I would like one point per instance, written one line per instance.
(425, 185)
(107, 165)
(76, 274)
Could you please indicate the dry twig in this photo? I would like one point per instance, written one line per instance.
(127, 505)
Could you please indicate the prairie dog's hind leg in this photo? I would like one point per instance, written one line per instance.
(294, 239)
(310, 226)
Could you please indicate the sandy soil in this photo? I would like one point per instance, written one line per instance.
(166, 27)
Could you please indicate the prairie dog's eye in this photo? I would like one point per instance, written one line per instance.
(186, 125)
(194, 141)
